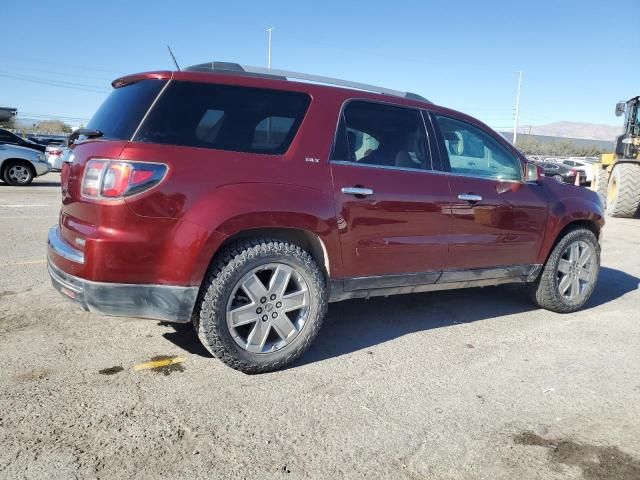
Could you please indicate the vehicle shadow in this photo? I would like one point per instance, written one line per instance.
(35, 184)
(359, 324)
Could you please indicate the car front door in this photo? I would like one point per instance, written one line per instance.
(392, 208)
(497, 219)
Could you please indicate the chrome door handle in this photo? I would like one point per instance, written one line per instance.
(365, 192)
(469, 197)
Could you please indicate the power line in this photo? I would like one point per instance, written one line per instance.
(58, 64)
(44, 115)
(55, 83)
(59, 73)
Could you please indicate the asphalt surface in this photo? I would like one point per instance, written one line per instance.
(474, 384)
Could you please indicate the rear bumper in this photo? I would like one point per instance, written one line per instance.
(159, 302)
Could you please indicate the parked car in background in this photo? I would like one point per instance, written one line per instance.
(54, 154)
(559, 172)
(20, 165)
(585, 168)
(242, 201)
(10, 138)
(43, 140)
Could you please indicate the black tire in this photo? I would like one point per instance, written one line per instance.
(600, 183)
(18, 181)
(545, 291)
(623, 196)
(558, 178)
(227, 270)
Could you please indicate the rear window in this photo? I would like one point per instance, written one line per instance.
(121, 113)
(225, 117)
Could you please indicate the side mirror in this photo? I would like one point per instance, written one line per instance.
(533, 173)
(620, 108)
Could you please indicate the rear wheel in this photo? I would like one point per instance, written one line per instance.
(261, 305)
(623, 193)
(570, 274)
(18, 173)
(558, 178)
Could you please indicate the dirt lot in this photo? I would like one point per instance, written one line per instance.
(473, 384)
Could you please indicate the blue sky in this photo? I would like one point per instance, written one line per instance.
(578, 57)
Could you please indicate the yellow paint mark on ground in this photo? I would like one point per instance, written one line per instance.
(158, 363)
(26, 262)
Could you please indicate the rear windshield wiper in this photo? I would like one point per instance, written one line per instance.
(84, 132)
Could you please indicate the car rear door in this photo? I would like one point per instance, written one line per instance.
(392, 208)
(497, 219)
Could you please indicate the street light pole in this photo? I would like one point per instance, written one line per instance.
(515, 128)
(269, 30)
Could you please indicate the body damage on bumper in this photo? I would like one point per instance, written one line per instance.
(159, 302)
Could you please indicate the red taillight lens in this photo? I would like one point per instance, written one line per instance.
(92, 178)
(115, 179)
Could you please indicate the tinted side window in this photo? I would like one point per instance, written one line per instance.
(474, 152)
(383, 135)
(121, 113)
(225, 117)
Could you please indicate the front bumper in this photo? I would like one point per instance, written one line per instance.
(41, 168)
(160, 302)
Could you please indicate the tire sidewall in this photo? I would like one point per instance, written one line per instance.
(213, 313)
(18, 184)
(552, 264)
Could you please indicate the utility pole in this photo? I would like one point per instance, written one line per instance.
(515, 128)
(269, 30)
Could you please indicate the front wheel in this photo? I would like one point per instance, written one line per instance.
(570, 274)
(261, 306)
(18, 174)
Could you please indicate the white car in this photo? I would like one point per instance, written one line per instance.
(54, 154)
(583, 166)
(20, 165)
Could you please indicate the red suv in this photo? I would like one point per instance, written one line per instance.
(244, 202)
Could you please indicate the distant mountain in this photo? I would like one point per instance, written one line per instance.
(587, 131)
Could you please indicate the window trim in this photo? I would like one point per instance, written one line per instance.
(444, 155)
(342, 120)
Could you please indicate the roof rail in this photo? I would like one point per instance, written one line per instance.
(236, 68)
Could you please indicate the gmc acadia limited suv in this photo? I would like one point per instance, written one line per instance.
(244, 202)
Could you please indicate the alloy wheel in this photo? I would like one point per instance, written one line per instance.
(576, 270)
(18, 174)
(268, 308)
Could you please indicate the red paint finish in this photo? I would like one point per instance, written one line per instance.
(506, 226)
(402, 228)
(414, 222)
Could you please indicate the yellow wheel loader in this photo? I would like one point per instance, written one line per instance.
(617, 176)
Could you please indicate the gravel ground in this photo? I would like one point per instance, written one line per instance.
(474, 384)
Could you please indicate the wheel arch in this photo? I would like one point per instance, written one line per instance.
(589, 224)
(9, 161)
(305, 239)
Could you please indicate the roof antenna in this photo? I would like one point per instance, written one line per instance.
(173, 58)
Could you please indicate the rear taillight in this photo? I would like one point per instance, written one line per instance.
(114, 178)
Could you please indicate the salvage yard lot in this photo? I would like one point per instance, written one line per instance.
(474, 384)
